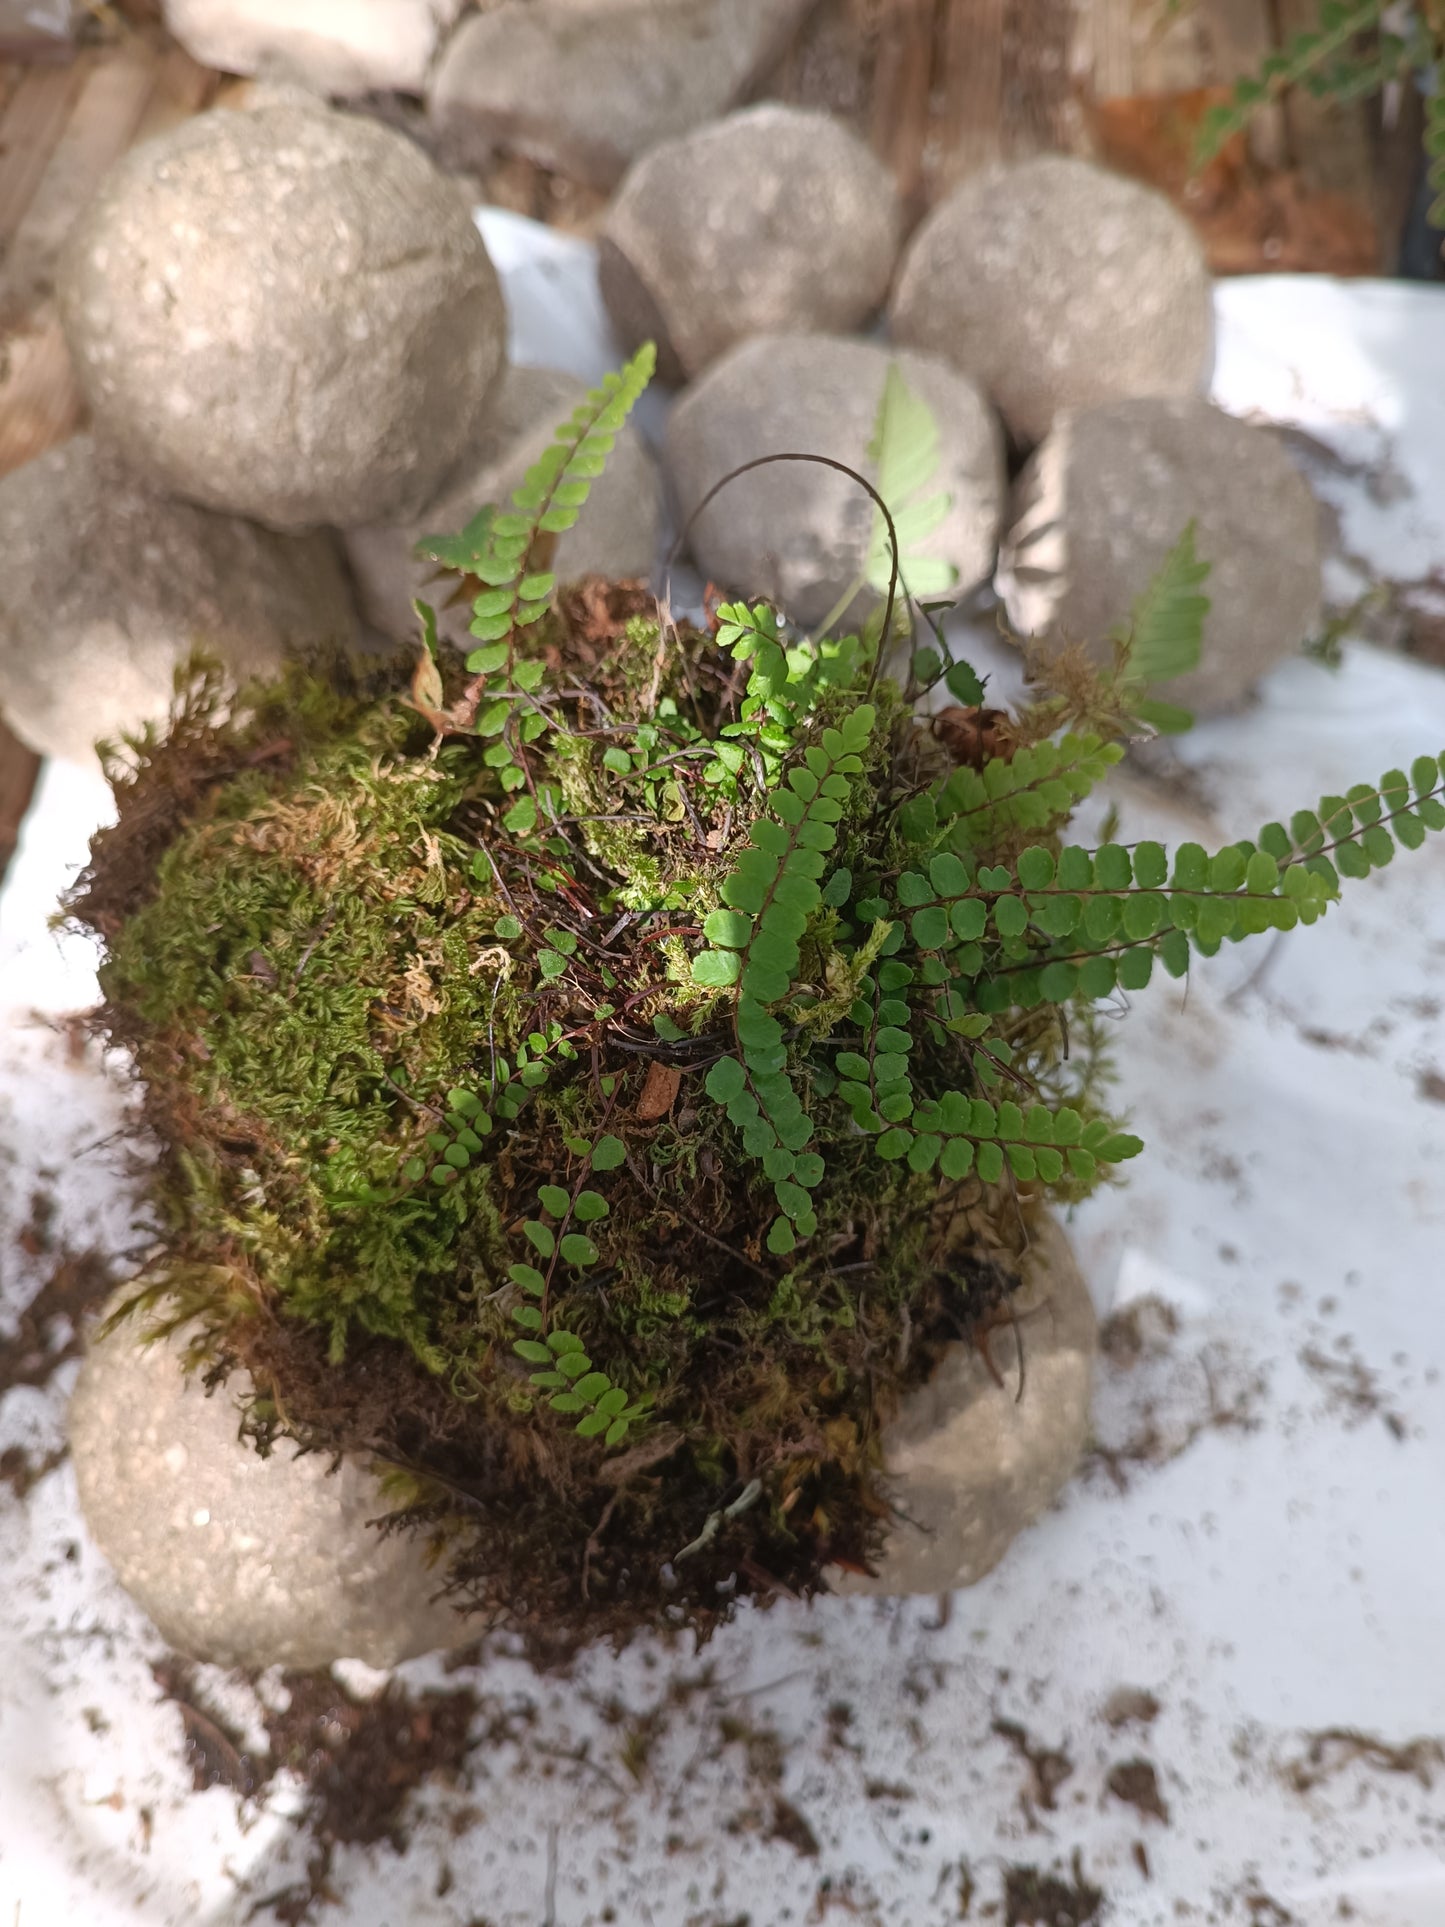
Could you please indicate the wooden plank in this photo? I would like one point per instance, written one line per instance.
(183, 88)
(969, 67)
(1329, 139)
(1241, 35)
(902, 81)
(33, 124)
(1038, 83)
(40, 403)
(101, 127)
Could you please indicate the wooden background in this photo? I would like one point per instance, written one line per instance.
(938, 88)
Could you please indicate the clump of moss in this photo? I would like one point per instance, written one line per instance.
(320, 932)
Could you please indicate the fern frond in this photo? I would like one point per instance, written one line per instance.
(905, 447)
(1165, 630)
(1351, 835)
(517, 593)
(767, 901)
(1339, 22)
(577, 1387)
(1038, 786)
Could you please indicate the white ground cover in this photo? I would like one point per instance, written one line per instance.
(1259, 1542)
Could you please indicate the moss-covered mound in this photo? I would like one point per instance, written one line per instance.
(412, 1052)
(596, 1083)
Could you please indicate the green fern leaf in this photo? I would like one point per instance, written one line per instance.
(548, 502)
(905, 447)
(1165, 630)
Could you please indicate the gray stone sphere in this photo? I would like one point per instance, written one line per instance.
(1055, 284)
(1103, 500)
(239, 1560)
(799, 533)
(286, 314)
(107, 587)
(585, 86)
(615, 533)
(969, 1463)
(774, 220)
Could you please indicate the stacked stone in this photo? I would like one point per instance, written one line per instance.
(291, 341)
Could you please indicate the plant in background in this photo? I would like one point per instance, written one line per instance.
(1351, 51)
(599, 1084)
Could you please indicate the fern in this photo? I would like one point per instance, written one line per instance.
(767, 901)
(905, 446)
(1340, 21)
(1164, 634)
(567, 1372)
(507, 552)
(1327, 64)
(1037, 787)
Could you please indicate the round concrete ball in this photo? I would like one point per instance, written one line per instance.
(773, 220)
(797, 532)
(1056, 284)
(977, 1453)
(287, 314)
(1103, 500)
(239, 1560)
(107, 587)
(615, 533)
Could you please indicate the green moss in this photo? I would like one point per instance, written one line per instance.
(343, 933)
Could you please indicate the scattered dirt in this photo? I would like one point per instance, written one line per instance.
(1147, 1325)
(1265, 1910)
(22, 1473)
(359, 1761)
(1333, 1748)
(1130, 1705)
(1156, 1401)
(789, 1825)
(1048, 1766)
(77, 1281)
(1431, 1086)
(49, 1332)
(1137, 1784)
(1034, 1899)
(1352, 1389)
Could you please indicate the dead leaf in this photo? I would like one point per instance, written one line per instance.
(659, 1092)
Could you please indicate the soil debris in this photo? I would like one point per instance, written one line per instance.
(1130, 1705)
(359, 1762)
(790, 1825)
(1048, 1766)
(1157, 1403)
(49, 1332)
(1146, 1325)
(1333, 1748)
(1137, 1784)
(214, 1750)
(1352, 1389)
(1034, 1899)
